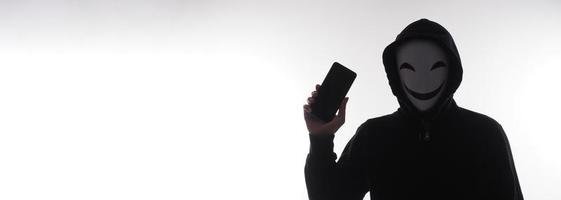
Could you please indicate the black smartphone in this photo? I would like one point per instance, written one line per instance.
(332, 91)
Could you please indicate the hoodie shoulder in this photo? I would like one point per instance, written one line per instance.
(385, 120)
(486, 129)
(472, 118)
(375, 125)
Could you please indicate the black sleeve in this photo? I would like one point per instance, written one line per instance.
(327, 179)
(501, 180)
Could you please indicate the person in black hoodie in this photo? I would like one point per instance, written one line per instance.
(430, 148)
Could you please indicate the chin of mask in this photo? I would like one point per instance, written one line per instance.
(423, 70)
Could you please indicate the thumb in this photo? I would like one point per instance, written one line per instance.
(339, 119)
(343, 108)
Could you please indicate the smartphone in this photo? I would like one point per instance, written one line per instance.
(332, 91)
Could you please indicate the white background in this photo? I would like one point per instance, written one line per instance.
(203, 99)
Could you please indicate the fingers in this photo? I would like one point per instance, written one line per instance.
(307, 107)
(313, 96)
(311, 100)
(306, 112)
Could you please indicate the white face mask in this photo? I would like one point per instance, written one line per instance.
(423, 70)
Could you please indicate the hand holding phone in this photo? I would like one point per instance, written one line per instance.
(329, 97)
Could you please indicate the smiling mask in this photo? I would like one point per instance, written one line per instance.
(423, 71)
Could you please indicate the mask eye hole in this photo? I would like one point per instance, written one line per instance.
(437, 65)
(406, 66)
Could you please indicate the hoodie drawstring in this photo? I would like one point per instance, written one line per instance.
(425, 135)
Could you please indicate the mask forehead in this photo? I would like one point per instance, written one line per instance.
(422, 52)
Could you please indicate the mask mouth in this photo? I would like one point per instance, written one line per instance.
(424, 96)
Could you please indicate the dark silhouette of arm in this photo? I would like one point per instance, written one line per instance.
(330, 180)
(501, 180)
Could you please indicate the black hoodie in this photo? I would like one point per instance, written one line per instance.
(447, 152)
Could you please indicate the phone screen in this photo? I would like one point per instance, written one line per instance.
(332, 91)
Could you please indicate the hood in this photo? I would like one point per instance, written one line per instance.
(424, 29)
